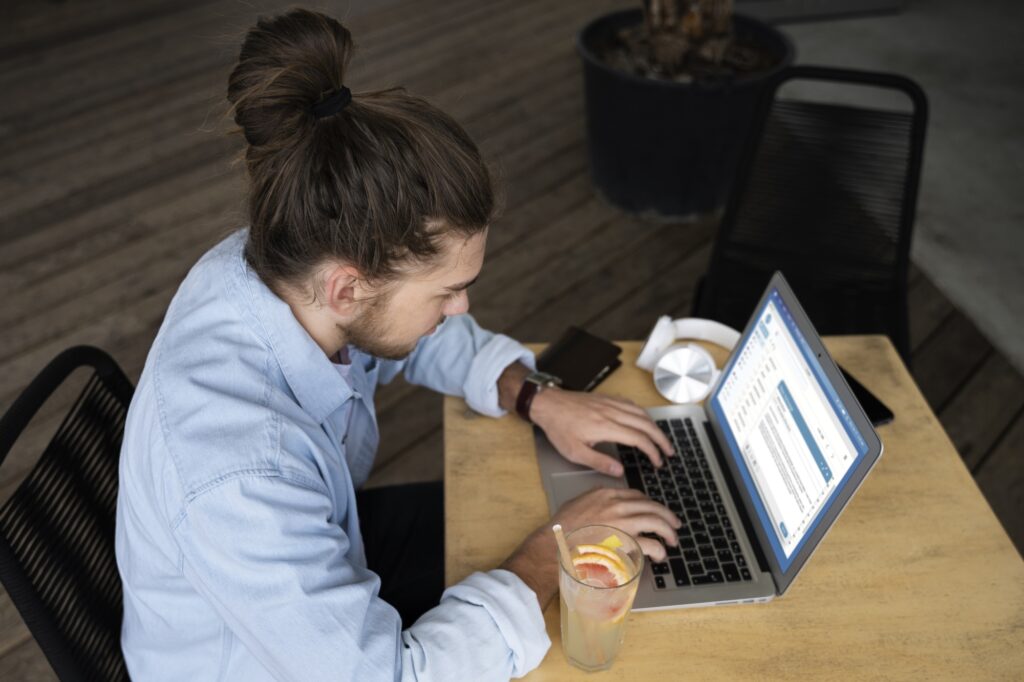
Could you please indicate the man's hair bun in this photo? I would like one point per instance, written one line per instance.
(286, 65)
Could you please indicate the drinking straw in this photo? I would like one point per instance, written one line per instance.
(563, 550)
(585, 624)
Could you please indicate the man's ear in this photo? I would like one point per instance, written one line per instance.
(342, 287)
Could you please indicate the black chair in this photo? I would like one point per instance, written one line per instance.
(57, 529)
(826, 193)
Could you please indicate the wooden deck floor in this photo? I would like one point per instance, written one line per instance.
(116, 174)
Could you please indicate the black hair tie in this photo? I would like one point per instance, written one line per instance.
(332, 103)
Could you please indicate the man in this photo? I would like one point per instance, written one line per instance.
(240, 533)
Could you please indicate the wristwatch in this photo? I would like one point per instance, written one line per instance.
(532, 385)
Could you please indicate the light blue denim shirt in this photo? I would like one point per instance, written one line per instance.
(238, 536)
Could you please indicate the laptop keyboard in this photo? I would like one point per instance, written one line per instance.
(708, 552)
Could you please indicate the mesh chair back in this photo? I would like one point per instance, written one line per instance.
(827, 195)
(57, 530)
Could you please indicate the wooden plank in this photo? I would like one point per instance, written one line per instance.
(512, 81)
(634, 316)
(422, 462)
(169, 157)
(948, 359)
(175, 102)
(40, 26)
(94, 83)
(1001, 479)
(75, 240)
(150, 148)
(163, 87)
(180, 232)
(25, 662)
(417, 414)
(983, 408)
(624, 297)
(13, 631)
(927, 309)
(97, 71)
(478, 46)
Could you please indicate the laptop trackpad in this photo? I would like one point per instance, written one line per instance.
(567, 486)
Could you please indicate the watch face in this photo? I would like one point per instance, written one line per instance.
(543, 378)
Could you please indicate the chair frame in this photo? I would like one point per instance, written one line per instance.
(35, 613)
(913, 91)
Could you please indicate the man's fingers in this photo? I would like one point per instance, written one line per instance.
(630, 493)
(617, 433)
(634, 507)
(598, 462)
(650, 523)
(645, 423)
(653, 549)
(653, 523)
(645, 426)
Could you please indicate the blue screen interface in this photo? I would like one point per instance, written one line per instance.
(792, 438)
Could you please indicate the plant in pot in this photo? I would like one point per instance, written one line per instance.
(670, 91)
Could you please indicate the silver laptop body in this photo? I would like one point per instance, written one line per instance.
(770, 573)
(563, 481)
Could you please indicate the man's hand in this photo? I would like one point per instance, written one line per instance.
(574, 422)
(536, 560)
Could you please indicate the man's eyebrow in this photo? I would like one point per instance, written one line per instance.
(464, 285)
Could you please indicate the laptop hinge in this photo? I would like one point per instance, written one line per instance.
(762, 562)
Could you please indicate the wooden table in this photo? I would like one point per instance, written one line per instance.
(917, 579)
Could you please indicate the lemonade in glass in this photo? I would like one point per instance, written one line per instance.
(596, 593)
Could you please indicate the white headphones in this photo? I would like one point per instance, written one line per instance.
(684, 372)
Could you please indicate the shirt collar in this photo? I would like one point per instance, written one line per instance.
(317, 385)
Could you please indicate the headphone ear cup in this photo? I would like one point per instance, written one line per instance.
(685, 373)
(660, 338)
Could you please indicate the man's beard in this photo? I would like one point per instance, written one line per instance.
(369, 331)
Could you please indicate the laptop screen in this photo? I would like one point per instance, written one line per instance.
(794, 442)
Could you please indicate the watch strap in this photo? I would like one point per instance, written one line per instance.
(527, 393)
(532, 385)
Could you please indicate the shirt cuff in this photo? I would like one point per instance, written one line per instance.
(515, 610)
(481, 387)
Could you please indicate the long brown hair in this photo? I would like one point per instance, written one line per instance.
(374, 185)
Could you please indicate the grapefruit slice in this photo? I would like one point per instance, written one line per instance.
(599, 549)
(600, 570)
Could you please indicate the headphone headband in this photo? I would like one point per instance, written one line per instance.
(706, 330)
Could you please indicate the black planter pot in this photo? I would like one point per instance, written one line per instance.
(666, 148)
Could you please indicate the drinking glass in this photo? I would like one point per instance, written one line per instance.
(593, 614)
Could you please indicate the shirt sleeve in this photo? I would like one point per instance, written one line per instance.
(263, 551)
(463, 360)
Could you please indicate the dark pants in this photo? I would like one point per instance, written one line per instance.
(403, 532)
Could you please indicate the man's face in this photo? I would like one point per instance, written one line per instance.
(395, 320)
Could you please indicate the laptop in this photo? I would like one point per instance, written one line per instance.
(762, 471)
